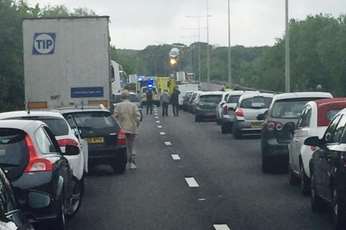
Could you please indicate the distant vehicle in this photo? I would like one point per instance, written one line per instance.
(65, 136)
(250, 106)
(227, 116)
(133, 97)
(193, 101)
(205, 105)
(60, 52)
(219, 107)
(313, 121)
(106, 140)
(186, 88)
(328, 170)
(11, 217)
(40, 175)
(277, 130)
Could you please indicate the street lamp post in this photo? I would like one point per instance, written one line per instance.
(287, 52)
(229, 45)
(208, 49)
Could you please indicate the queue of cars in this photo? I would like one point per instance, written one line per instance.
(45, 156)
(304, 132)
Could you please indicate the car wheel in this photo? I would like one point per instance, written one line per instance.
(338, 211)
(224, 129)
(197, 118)
(236, 132)
(119, 164)
(76, 198)
(316, 200)
(304, 181)
(292, 177)
(59, 223)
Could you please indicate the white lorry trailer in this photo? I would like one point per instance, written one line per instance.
(67, 62)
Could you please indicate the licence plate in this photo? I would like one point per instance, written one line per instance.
(95, 140)
(256, 125)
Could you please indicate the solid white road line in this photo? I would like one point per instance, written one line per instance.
(176, 157)
(162, 133)
(168, 143)
(191, 182)
(221, 227)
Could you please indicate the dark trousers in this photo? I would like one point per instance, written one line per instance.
(164, 109)
(175, 109)
(149, 105)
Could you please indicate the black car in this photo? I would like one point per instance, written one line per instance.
(328, 170)
(106, 140)
(41, 176)
(10, 214)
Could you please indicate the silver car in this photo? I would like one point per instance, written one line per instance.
(247, 119)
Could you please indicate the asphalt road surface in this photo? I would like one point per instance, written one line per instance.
(216, 184)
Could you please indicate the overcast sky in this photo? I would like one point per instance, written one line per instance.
(138, 23)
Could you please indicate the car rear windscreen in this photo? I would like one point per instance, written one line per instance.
(13, 152)
(58, 126)
(210, 99)
(257, 102)
(289, 108)
(234, 99)
(95, 120)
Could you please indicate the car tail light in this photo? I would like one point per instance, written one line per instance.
(121, 137)
(36, 164)
(239, 112)
(225, 109)
(271, 125)
(67, 141)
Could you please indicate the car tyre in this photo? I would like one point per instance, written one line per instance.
(338, 211)
(316, 200)
(292, 177)
(59, 223)
(236, 132)
(304, 181)
(76, 199)
(119, 164)
(225, 129)
(197, 118)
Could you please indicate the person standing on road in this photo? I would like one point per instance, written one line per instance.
(149, 101)
(128, 116)
(175, 101)
(164, 100)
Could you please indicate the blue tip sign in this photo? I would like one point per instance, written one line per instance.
(43, 43)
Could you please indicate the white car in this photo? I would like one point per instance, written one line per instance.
(250, 106)
(219, 107)
(227, 110)
(313, 121)
(64, 135)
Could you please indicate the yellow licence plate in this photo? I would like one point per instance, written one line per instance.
(95, 140)
(257, 125)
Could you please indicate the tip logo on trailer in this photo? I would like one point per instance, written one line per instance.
(43, 43)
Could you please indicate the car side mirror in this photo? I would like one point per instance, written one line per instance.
(71, 150)
(37, 200)
(314, 141)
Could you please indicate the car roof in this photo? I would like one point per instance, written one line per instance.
(32, 113)
(284, 96)
(28, 126)
(80, 110)
(255, 94)
(203, 93)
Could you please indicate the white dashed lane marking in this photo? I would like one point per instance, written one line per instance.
(158, 122)
(159, 126)
(168, 143)
(191, 182)
(162, 133)
(176, 157)
(221, 227)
